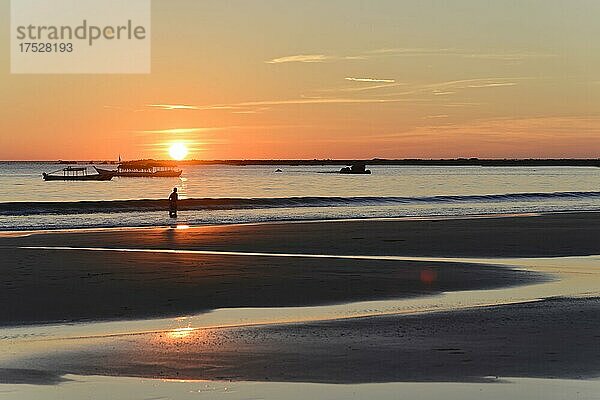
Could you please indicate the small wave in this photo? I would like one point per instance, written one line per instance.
(116, 206)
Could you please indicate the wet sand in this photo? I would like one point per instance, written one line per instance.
(49, 285)
(550, 235)
(555, 338)
(43, 286)
(550, 338)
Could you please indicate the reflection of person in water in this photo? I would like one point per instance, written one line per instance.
(173, 203)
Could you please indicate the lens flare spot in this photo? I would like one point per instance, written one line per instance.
(428, 276)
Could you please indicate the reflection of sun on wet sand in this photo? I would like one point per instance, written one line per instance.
(263, 266)
(552, 338)
(180, 333)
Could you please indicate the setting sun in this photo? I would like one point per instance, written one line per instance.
(178, 151)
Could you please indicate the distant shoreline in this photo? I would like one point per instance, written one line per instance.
(481, 162)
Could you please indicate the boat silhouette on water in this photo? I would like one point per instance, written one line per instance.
(144, 169)
(358, 168)
(77, 174)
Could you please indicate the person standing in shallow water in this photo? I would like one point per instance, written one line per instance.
(173, 203)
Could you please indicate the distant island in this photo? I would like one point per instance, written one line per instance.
(529, 162)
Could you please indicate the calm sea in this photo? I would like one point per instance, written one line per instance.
(229, 194)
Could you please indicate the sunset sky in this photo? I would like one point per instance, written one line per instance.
(327, 79)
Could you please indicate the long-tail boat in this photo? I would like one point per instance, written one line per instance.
(77, 174)
(144, 169)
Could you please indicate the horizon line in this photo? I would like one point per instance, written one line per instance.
(376, 159)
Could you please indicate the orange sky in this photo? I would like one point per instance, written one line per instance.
(334, 79)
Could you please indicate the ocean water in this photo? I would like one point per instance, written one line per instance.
(235, 194)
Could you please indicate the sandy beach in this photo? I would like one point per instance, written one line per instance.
(548, 339)
(547, 235)
(125, 284)
(117, 285)
(129, 274)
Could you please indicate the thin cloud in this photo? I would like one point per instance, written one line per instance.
(442, 93)
(262, 105)
(436, 116)
(320, 100)
(508, 56)
(449, 87)
(372, 87)
(361, 88)
(462, 83)
(256, 110)
(175, 131)
(438, 89)
(314, 58)
(443, 88)
(433, 89)
(409, 52)
(320, 58)
(370, 80)
(233, 108)
(301, 58)
(493, 84)
(220, 128)
(172, 106)
(462, 104)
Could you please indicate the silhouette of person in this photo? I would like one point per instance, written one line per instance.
(173, 203)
